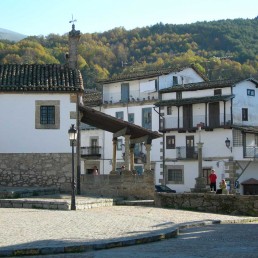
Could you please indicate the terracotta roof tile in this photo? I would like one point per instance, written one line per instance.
(36, 77)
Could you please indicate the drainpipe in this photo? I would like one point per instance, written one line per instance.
(163, 148)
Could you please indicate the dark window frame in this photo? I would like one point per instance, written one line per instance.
(250, 92)
(175, 175)
(244, 114)
(170, 142)
(47, 115)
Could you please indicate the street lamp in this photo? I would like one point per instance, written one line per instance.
(72, 137)
(227, 142)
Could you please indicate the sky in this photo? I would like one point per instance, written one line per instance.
(42, 17)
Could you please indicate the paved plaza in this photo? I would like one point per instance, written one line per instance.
(37, 231)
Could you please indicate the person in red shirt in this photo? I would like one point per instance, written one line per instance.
(213, 179)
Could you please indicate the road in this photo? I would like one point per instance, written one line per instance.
(218, 240)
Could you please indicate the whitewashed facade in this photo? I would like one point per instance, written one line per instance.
(225, 110)
(132, 98)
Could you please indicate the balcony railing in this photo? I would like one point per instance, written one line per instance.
(187, 152)
(134, 96)
(171, 123)
(251, 152)
(91, 151)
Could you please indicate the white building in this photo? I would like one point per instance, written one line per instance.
(38, 104)
(131, 98)
(227, 114)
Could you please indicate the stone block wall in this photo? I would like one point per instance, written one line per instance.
(216, 203)
(35, 169)
(125, 186)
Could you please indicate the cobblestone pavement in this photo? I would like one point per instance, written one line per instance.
(48, 231)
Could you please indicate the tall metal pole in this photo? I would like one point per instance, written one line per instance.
(73, 206)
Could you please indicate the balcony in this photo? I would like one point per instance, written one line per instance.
(181, 124)
(250, 152)
(187, 153)
(91, 152)
(113, 98)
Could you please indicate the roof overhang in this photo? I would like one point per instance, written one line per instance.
(116, 126)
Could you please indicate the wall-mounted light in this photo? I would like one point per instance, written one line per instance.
(227, 142)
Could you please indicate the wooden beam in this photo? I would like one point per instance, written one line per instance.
(122, 132)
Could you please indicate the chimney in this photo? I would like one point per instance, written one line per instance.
(74, 37)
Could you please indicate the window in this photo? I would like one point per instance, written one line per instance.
(244, 114)
(250, 92)
(175, 176)
(179, 95)
(125, 92)
(119, 144)
(131, 118)
(146, 118)
(205, 173)
(175, 80)
(47, 114)
(120, 115)
(169, 110)
(217, 92)
(170, 142)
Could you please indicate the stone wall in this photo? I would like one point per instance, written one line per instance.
(216, 203)
(34, 169)
(125, 186)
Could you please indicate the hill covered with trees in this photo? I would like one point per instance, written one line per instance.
(219, 49)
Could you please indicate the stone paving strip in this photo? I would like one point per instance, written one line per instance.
(36, 231)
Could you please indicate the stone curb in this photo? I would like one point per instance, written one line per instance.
(171, 233)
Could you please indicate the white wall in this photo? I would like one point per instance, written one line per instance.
(18, 133)
(241, 100)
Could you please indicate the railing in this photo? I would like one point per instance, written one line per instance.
(251, 152)
(186, 152)
(172, 122)
(134, 96)
(91, 151)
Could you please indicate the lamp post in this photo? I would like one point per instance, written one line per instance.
(72, 137)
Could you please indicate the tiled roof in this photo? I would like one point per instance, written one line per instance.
(36, 77)
(92, 98)
(246, 129)
(180, 102)
(148, 74)
(205, 85)
(250, 181)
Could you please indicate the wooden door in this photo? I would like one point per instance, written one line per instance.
(214, 115)
(189, 146)
(187, 116)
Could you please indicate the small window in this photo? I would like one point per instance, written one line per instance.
(131, 118)
(119, 144)
(217, 92)
(244, 114)
(169, 110)
(47, 115)
(175, 80)
(146, 118)
(175, 176)
(179, 95)
(120, 115)
(170, 142)
(250, 92)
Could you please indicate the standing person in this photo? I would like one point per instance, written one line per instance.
(213, 179)
(223, 186)
(95, 171)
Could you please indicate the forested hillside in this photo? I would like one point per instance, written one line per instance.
(219, 49)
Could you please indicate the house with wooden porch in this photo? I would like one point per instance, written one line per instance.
(221, 117)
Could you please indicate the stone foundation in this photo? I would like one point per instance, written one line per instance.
(124, 186)
(215, 203)
(35, 169)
